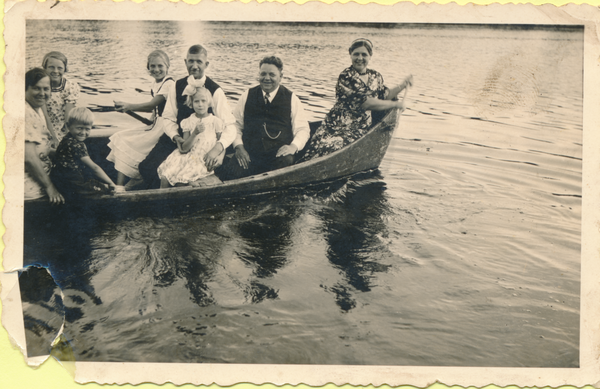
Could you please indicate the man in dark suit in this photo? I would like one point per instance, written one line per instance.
(175, 111)
(271, 125)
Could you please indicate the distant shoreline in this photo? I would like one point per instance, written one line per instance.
(427, 26)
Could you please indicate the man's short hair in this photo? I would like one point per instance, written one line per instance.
(272, 60)
(197, 49)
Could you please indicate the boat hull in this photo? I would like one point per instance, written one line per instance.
(363, 155)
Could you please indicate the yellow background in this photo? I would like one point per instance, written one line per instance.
(14, 372)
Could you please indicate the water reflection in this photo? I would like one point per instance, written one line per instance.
(352, 227)
(61, 244)
(266, 241)
(292, 277)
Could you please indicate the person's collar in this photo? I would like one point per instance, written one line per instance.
(358, 73)
(60, 87)
(192, 81)
(271, 94)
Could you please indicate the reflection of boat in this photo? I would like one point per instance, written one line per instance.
(362, 155)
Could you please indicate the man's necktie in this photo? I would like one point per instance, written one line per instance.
(267, 102)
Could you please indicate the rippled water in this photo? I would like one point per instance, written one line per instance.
(462, 249)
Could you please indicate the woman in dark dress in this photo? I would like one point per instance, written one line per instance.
(359, 91)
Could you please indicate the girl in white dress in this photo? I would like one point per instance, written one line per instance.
(129, 148)
(186, 165)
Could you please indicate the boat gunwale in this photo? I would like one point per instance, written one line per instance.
(389, 122)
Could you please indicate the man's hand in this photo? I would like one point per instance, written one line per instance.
(242, 156)
(286, 150)
(214, 158)
(179, 140)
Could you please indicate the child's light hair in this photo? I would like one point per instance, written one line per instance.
(158, 54)
(203, 90)
(79, 115)
(56, 55)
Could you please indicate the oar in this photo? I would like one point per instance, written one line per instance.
(142, 119)
(107, 108)
(404, 96)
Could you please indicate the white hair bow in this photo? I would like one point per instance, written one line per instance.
(193, 86)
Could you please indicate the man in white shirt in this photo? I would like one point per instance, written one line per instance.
(271, 125)
(175, 111)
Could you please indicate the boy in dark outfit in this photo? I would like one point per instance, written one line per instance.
(74, 172)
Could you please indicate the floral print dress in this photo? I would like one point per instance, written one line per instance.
(347, 121)
(67, 92)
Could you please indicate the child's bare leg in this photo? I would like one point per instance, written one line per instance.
(164, 183)
(120, 178)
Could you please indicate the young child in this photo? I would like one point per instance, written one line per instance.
(186, 166)
(74, 172)
(64, 92)
(129, 148)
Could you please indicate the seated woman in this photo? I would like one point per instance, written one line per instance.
(38, 140)
(359, 90)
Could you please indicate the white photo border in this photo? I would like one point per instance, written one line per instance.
(16, 13)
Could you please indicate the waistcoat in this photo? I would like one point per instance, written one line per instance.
(267, 126)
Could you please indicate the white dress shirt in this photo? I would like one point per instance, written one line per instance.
(300, 127)
(220, 109)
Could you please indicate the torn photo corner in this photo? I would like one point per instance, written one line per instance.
(452, 240)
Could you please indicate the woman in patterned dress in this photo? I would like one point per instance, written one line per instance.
(64, 92)
(359, 91)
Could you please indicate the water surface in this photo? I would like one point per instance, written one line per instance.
(463, 249)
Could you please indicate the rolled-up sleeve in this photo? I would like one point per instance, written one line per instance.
(238, 114)
(300, 127)
(170, 114)
(223, 112)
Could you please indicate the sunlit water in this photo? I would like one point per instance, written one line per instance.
(463, 249)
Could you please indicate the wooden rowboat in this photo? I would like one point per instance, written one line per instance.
(362, 155)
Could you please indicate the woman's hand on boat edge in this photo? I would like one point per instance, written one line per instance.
(54, 195)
